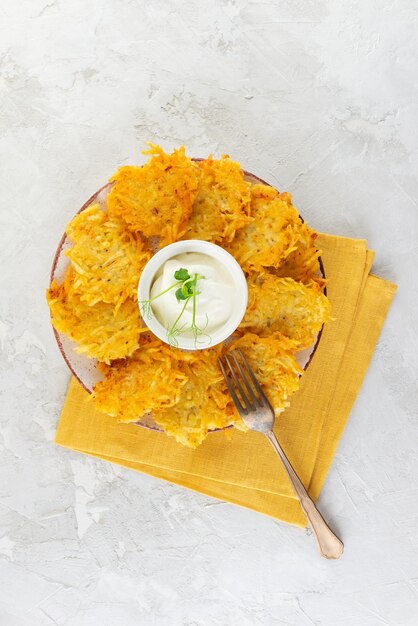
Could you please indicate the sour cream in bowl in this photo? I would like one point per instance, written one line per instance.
(192, 294)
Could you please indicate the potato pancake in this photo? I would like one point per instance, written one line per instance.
(272, 235)
(98, 331)
(156, 199)
(106, 257)
(204, 403)
(296, 310)
(222, 203)
(303, 263)
(146, 382)
(274, 365)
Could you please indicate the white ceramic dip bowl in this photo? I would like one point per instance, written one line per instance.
(231, 268)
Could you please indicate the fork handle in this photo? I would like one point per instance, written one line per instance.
(329, 545)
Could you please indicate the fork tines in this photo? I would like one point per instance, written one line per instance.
(236, 370)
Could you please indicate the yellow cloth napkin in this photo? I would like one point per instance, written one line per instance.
(242, 467)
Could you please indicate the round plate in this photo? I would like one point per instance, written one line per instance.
(84, 368)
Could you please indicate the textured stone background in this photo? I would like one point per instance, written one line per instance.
(319, 98)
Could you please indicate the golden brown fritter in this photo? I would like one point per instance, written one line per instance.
(155, 199)
(303, 263)
(98, 331)
(146, 382)
(106, 257)
(296, 310)
(271, 236)
(204, 403)
(274, 365)
(222, 203)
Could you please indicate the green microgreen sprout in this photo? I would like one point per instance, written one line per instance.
(181, 274)
(187, 290)
(145, 305)
(180, 295)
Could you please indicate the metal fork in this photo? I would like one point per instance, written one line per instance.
(257, 413)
